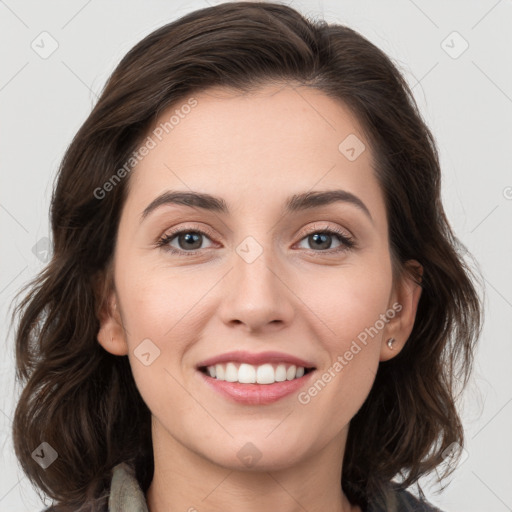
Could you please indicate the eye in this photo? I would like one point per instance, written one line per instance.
(321, 240)
(188, 241)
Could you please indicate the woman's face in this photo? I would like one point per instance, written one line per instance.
(261, 276)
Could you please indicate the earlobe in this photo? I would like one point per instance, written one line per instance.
(390, 342)
(111, 335)
(112, 344)
(406, 295)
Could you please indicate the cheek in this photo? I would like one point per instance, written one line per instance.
(154, 317)
(157, 298)
(348, 301)
(348, 308)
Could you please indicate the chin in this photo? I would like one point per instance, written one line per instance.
(257, 453)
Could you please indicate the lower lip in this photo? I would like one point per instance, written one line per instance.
(256, 394)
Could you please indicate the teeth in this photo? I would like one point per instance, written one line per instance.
(250, 374)
(231, 374)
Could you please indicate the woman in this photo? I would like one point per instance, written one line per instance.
(252, 215)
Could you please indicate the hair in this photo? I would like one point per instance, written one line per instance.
(83, 401)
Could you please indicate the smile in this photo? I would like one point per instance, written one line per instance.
(245, 373)
(254, 393)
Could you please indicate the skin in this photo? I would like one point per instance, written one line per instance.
(254, 150)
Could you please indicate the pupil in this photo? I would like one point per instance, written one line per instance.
(189, 238)
(324, 236)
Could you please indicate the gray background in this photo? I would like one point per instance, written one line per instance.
(465, 97)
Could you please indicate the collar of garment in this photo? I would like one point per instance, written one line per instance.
(125, 492)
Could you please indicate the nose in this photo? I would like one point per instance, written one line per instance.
(256, 295)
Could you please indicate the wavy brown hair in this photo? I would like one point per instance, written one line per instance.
(83, 401)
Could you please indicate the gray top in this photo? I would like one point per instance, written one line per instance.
(125, 492)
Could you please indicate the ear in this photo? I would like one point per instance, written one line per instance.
(404, 302)
(111, 334)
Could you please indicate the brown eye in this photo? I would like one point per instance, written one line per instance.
(322, 241)
(189, 240)
(186, 241)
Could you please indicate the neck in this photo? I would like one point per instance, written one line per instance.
(185, 480)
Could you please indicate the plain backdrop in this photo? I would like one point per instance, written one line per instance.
(56, 57)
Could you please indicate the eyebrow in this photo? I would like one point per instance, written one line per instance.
(295, 203)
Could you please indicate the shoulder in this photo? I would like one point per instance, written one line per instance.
(405, 502)
(409, 503)
(125, 493)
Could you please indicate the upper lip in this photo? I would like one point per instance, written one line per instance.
(240, 356)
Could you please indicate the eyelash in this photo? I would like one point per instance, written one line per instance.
(347, 241)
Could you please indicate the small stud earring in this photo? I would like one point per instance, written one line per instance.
(390, 343)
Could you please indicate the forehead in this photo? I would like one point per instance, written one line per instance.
(273, 141)
(229, 123)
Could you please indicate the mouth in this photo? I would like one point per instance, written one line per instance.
(256, 386)
(264, 374)
(255, 378)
